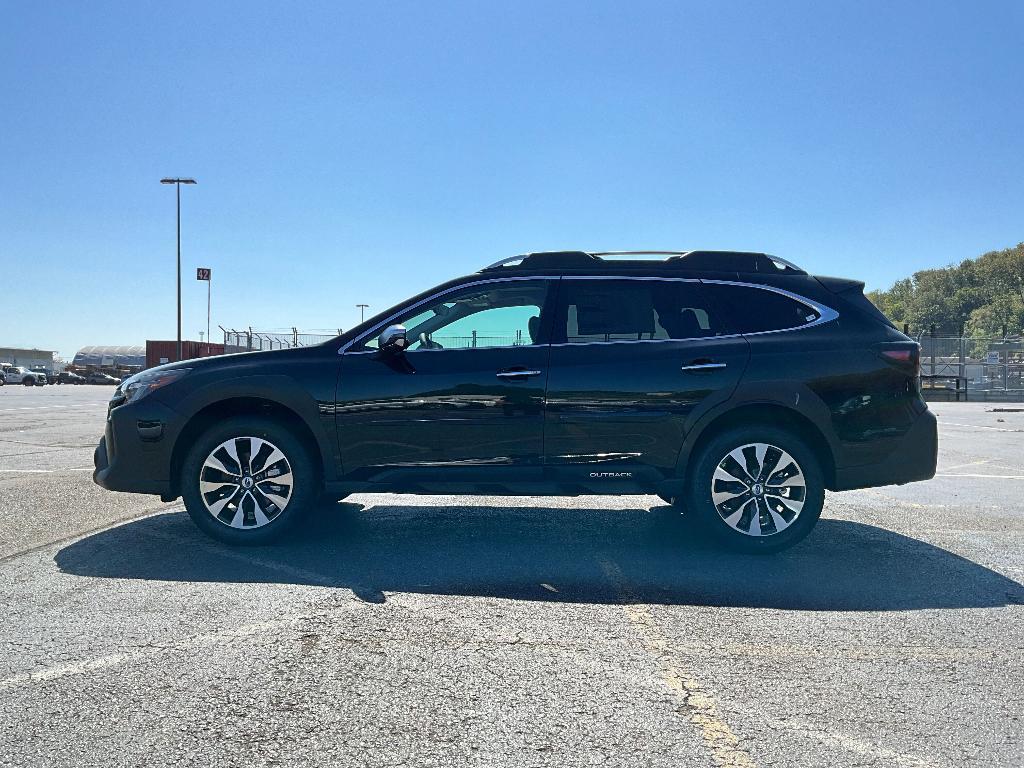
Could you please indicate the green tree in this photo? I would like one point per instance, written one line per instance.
(980, 295)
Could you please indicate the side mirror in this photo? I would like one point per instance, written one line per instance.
(393, 341)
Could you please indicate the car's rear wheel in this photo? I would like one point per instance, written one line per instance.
(248, 480)
(756, 489)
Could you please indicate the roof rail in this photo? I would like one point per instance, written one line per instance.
(556, 259)
(728, 261)
(737, 261)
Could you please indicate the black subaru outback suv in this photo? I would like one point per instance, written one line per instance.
(733, 385)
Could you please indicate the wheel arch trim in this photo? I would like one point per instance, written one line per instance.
(800, 408)
(274, 396)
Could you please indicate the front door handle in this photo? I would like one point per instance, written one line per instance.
(702, 365)
(516, 373)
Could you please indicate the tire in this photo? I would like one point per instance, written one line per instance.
(721, 489)
(28, 382)
(231, 512)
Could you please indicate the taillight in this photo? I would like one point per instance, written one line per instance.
(899, 355)
(903, 354)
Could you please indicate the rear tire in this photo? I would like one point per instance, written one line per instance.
(248, 481)
(756, 489)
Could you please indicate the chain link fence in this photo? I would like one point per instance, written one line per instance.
(972, 368)
(476, 340)
(248, 340)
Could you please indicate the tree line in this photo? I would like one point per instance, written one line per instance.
(980, 297)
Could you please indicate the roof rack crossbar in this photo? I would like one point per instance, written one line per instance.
(639, 253)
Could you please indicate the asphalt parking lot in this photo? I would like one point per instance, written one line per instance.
(478, 631)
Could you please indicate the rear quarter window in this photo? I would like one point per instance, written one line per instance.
(748, 309)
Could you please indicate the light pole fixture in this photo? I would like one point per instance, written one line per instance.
(362, 311)
(177, 183)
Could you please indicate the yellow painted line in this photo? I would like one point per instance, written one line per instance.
(699, 706)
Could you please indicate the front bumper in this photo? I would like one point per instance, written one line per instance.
(134, 454)
(913, 459)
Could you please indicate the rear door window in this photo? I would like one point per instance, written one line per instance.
(748, 309)
(633, 310)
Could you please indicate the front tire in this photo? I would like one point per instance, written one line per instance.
(29, 382)
(756, 489)
(248, 480)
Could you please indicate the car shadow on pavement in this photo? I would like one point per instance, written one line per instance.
(553, 554)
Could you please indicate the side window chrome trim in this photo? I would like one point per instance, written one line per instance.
(384, 323)
(825, 314)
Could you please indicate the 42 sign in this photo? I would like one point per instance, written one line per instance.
(203, 273)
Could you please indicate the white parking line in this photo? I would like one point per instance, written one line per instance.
(47, 471)
(967, 464)
(977, 426)
(53, 407)
(994, 477)
(212, 639)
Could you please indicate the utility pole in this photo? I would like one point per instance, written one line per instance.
(177, 183)
(362, 311)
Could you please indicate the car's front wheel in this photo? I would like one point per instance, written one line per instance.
(756, 489)
(248, 480)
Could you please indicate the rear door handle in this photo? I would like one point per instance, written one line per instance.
(702, 365)
(516, 373)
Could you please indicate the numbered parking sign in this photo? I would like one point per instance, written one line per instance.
(202, 273)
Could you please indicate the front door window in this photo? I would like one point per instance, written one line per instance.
(503, 314)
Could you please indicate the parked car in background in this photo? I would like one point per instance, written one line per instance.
(736, 386)
(3, 378)
(19, 374)
(45, 376)
(70, 377)
(101, 378)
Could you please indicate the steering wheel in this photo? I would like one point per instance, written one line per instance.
(426, 343)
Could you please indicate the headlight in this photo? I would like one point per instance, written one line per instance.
(141, 384)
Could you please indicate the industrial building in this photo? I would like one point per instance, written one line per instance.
(29, 358)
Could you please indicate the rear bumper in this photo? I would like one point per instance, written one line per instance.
(913, 459)
(134, 454)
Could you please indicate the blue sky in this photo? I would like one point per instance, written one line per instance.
(363, 152)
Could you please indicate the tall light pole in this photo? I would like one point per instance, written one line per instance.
(177, 183)
(362, 311)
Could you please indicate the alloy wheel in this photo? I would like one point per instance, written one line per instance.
(246, 482)
(758, 489)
